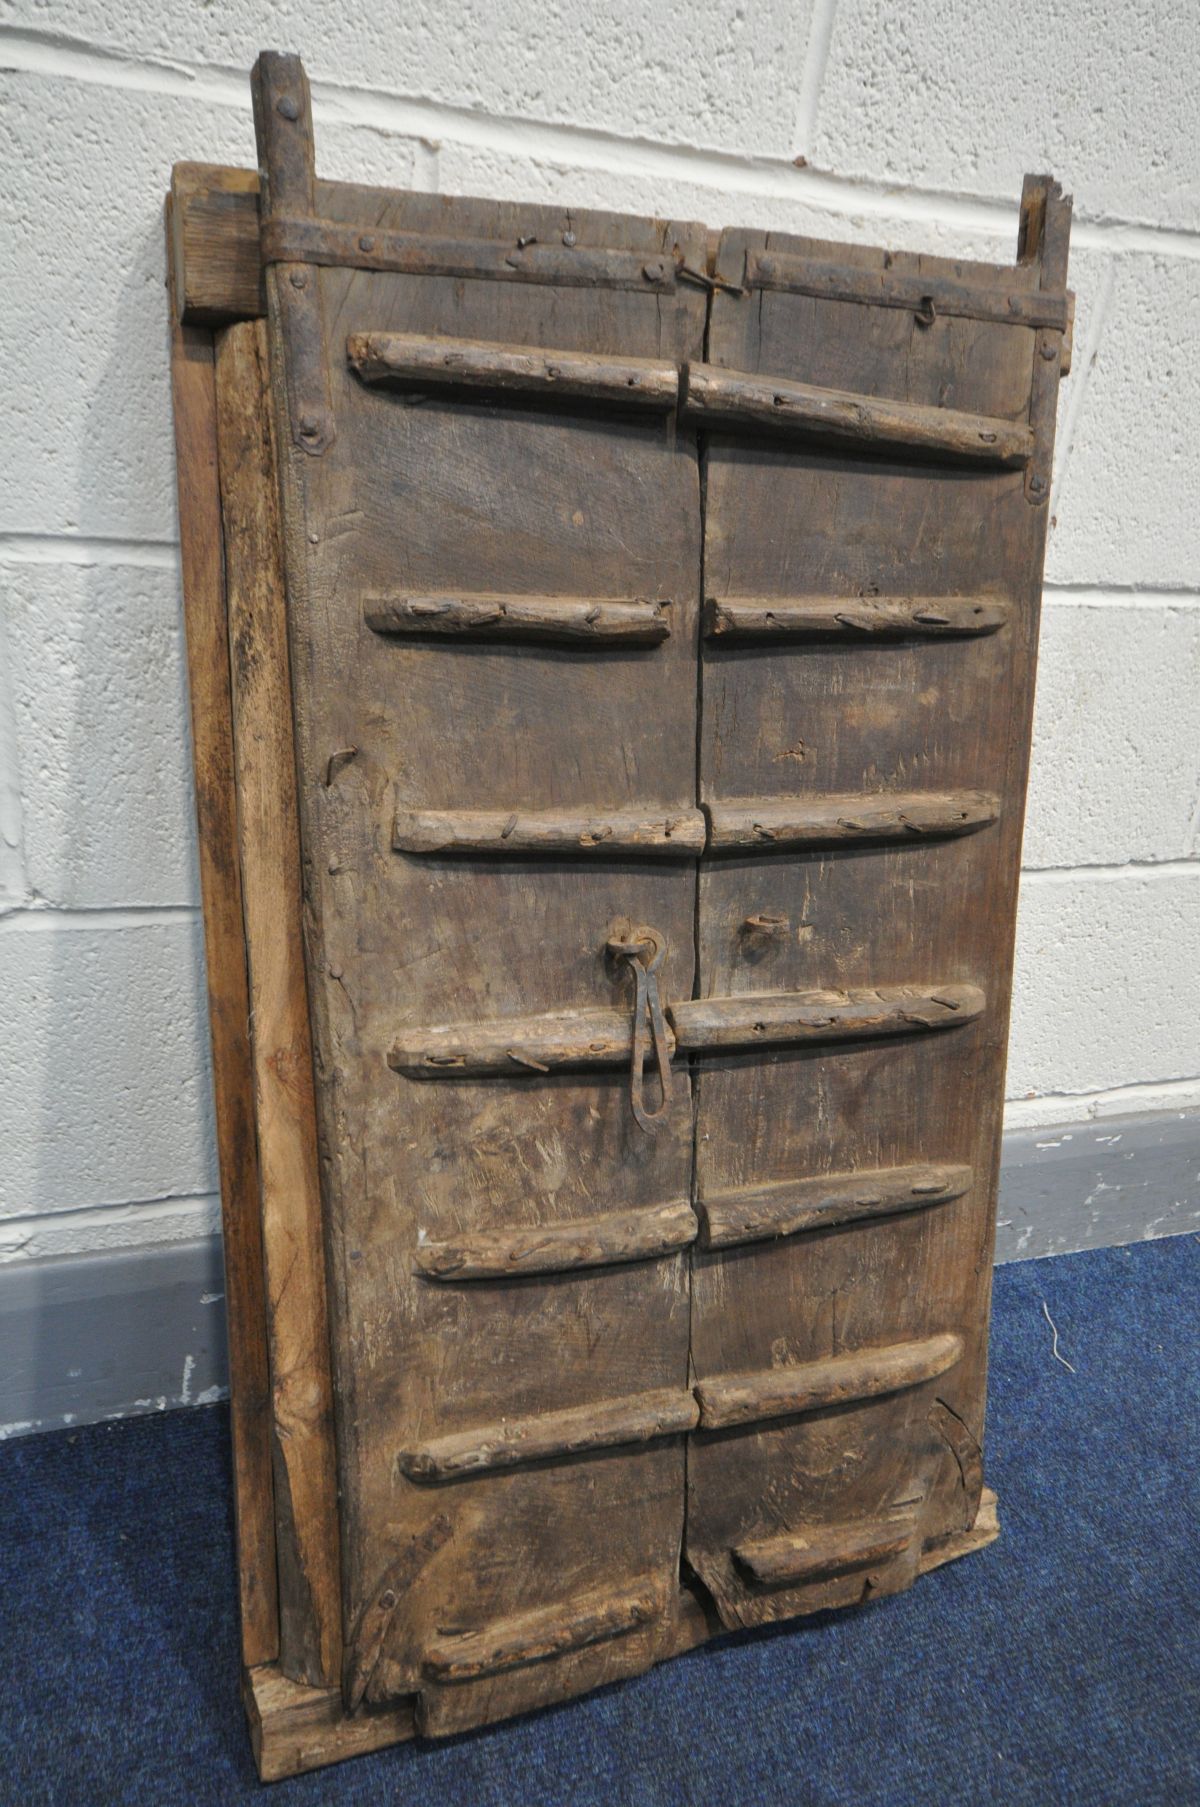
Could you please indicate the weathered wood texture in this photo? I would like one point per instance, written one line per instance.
(452, 498)
(821, 821)
(305, 1477)
(413, 360)
(786, 1207)
(497, 658)
(661, 834)
(600, 620)
(851, 617)
(554, 1248)
(193, 384)
(881, 706)
(739, 400)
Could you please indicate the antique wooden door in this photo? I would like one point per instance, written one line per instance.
(662, 620)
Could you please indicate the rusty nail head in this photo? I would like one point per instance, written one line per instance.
(1037, 485)
(366, 243)
(309, 427)
(287, 108)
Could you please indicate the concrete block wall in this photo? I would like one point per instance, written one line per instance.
(900, 122)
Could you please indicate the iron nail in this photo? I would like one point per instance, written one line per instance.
(568, 239)
(366, 244)
(299, 279)
(287, 108)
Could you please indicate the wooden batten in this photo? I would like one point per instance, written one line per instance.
(776, 1018)
(193, 382)
(285, 1108)
(787, 1207)
(638, 1418)
(852, 617)
(317, 241)
(739, 823)
(417, 361)
(761, 1394)
(617, 1236)
(736, 401)
(607, 834)
(823, 1551)
(591, 620)
(536, 1636)
(561, 1041)
(925, 296)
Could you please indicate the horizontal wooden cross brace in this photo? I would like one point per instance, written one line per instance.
(583, 1040)
(713, 1404)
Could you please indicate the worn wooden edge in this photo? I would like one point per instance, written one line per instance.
(533, 1637)
(775, 1018)
(421, 360)
(739, 401)
(601, 1241)
(570, 620)
(647, 830)
(281, 1053)
(852, 617)
(212, 245)
(540, 1436)
(295, 1728)
(756, 1395)
(512, 1047)
(985, 1530)
(742, 1214)
(818, 1553)
(766, 823)
(193, 383)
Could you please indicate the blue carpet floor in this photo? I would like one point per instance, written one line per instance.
(1060, 1667)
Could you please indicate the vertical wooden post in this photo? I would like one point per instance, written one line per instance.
(287, 177)
(194, 390)
(304, 1456)
(1044, 238)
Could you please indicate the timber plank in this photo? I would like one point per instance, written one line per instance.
(193, 386)
(305, 1482)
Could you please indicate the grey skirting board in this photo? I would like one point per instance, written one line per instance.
(87, 1337)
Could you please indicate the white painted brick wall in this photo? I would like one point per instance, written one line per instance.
(898, 122)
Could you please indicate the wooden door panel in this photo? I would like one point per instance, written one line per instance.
(480, 811)
(862, 760)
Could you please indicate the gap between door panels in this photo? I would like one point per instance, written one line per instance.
(687, 1576)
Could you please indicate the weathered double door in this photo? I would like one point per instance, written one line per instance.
(663, 625)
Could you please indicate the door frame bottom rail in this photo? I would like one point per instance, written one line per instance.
(294, 1729)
